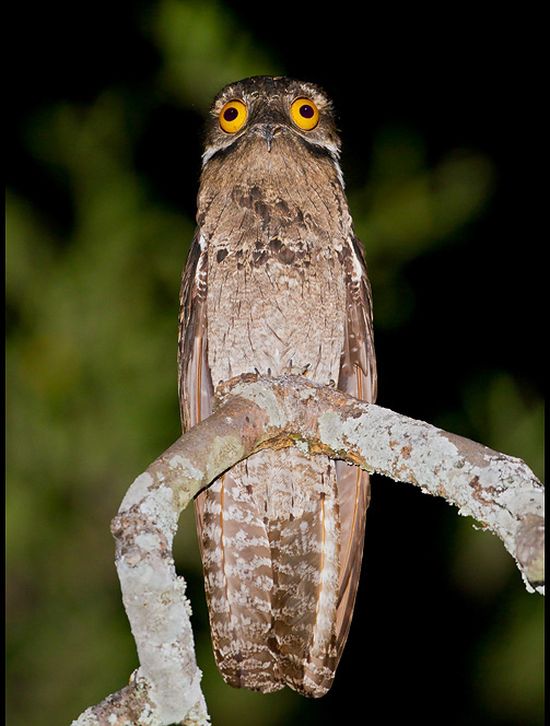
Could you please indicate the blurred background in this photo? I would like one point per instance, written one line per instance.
(104, 157)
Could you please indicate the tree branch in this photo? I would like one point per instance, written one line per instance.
(499, 491)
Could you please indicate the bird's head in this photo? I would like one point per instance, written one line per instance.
(272, 110)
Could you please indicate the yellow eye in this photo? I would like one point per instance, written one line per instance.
(304, 113)
(233, 116)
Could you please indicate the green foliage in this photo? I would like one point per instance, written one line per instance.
(204, 49)
(405, 209)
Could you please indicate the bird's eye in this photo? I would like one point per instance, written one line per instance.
(233, 116)
(304, 113)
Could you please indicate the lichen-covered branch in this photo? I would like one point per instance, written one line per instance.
(499, 491)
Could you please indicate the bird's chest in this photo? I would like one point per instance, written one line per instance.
(275, 304)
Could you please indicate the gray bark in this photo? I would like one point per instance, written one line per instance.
(499, 491)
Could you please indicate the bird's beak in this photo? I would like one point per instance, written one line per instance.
(268, 132)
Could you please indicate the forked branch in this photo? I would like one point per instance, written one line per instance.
(499, 491)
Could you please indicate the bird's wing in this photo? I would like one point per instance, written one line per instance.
(357, 377)
(240, 625)
(194, 380)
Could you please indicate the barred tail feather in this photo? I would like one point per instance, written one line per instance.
(270, 552)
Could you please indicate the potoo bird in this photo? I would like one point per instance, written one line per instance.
(276, 283)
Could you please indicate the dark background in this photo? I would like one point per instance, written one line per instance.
(104, 143)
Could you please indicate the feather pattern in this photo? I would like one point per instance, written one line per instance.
(276, 282)
(194, 379)
(358, 378)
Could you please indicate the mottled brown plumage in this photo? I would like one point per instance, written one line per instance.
(276, 282)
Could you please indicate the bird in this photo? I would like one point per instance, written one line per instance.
(276, 283)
